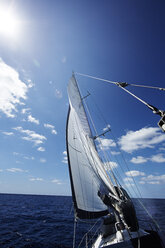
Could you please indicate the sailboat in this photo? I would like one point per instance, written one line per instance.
(97, 194)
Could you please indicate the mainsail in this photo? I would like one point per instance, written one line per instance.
(87, 172)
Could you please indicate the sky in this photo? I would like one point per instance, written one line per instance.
(41, 43)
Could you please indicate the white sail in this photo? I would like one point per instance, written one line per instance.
(86, 169)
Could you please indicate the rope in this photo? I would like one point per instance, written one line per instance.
(88, 232)
(113, 189)
(113, 82)
(100, 79)
(144, 86)
(74, 233)
(121, 167)
(134, 95)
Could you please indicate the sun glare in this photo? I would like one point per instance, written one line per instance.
(9, 24)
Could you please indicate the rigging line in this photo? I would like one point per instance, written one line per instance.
(91, 152)
(102, 116)
(133, 95)
(128, 170)
(97, 135)
(74, 233)
(87, 232)
(100, 79)
(98, 175)
(107, 158)
(96, 232)
(107, 154)
(145, 86)
(71, 209)
(103, 167)
(155, 110)
(113, 82)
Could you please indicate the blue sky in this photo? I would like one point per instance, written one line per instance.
(40, 45)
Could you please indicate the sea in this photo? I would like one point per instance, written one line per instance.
(48, 221)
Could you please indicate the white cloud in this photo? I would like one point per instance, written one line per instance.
(36, 63)
(16, 170)
(65, 159)
(8, 133)
(31, 136)
(58, 94)
(134, 173)
(51, 127)
(142, 182)
(22, 156)
(106, 128)
(57, 181)
(151, 179)
(30, 83)
(12, 89)
(162, 149)
(115, 153)
(143, 138)
(105, 144)
(30, 118)
(138, 160)
(110, 165)
(63, 60)
(36, 179)
(154, 182)
(18, 162)
(54, 131)
(128, 180)
(25, 110)
(29, 158)
(16, 153)
(159, 158)
(42, 160)
(41, 149)
(1, 170)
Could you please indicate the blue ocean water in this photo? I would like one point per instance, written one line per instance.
(47, 221)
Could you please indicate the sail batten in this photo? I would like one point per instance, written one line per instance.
(87, 174)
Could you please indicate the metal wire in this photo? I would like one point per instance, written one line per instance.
(113, 82)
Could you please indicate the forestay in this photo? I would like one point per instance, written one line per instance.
(87, 172)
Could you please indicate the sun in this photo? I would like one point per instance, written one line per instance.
(9, 23)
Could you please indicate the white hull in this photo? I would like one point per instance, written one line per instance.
(119, 239)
